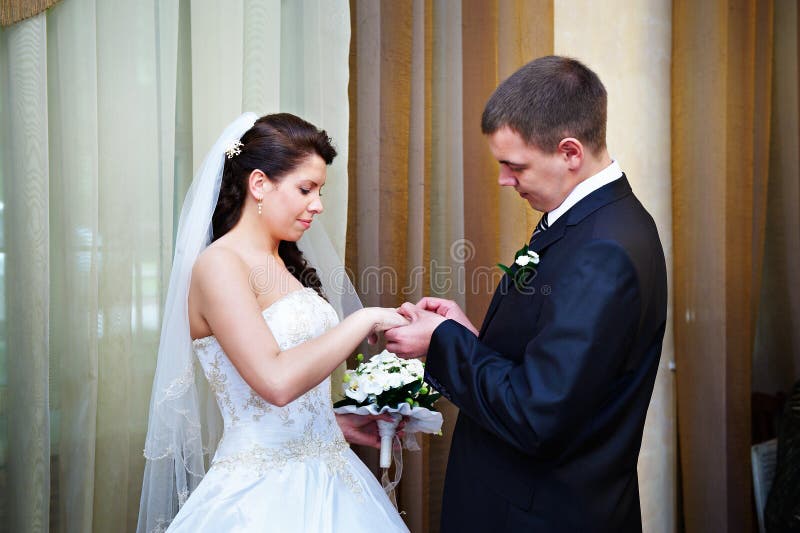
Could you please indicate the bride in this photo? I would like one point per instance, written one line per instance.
(245, 302)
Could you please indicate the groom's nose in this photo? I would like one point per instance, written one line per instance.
(506, 178)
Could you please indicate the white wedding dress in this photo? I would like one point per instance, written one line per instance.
(283, 469)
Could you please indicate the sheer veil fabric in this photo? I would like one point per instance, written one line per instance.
(174, 446)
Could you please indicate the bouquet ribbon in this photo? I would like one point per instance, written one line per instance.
(419, 420)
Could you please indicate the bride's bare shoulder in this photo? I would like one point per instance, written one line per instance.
(219, 261)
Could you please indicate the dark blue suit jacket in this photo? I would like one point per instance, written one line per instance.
(553, 393)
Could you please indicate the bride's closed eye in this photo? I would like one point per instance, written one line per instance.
(305, 190)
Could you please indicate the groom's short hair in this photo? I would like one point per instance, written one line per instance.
(547, 100)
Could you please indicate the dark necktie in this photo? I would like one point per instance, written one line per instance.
(541, 227)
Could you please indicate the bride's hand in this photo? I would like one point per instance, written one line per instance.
(363, 429)
(383, 318)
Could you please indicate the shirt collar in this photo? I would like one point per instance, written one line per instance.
(611, 173)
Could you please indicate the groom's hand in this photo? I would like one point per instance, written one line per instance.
(448, 309)
(413, 340)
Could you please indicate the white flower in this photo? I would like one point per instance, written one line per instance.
(416, 366)
(383, 372)
(394, 381)
(372, 385)
(384, 357)
(523, 260)
(355, 393)
(534, 257)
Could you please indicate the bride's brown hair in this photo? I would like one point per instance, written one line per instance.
(276, 144)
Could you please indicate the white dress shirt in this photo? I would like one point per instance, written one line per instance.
(611, 173)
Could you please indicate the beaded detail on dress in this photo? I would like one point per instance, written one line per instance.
(259, 436)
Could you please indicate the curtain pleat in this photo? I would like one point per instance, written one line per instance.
(720, 137)
(776, 359)
(27, 255)
(75, 257)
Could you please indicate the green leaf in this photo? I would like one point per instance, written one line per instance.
(345, 402)
(504, 269)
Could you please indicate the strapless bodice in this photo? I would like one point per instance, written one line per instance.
(256, 430)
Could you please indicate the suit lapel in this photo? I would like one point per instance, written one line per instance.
(606, 194)
(545, 239)
(603, 196)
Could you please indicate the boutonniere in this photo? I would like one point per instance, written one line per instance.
(526, 259)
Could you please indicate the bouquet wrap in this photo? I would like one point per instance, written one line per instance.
(418, 420)
(388, 384)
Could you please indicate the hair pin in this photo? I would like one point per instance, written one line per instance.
(233, 148)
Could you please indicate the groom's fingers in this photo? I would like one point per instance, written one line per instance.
(395, 348)
(440, 306)
(409, 311)
(429, 304)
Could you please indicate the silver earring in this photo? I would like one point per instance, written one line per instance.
(259, 208)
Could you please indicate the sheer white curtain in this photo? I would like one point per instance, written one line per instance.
(106, 107)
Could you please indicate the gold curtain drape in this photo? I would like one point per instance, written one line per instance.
(776, 361)
(12, 11)
(720, 147)
(426, 216)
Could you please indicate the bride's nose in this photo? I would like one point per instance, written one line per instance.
(316, 206)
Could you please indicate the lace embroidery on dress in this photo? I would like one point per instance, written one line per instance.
(308, 424)
(259, 405)
(260, 460)
(161, 526)
(178, 386)
(218, 381)
(312, 401)
(285, 415)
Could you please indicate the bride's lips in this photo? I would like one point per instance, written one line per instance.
(306, 223)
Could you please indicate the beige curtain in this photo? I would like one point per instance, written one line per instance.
(721, 89)
(776, 360)
(106, 108)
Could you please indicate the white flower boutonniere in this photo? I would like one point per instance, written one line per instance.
(526, 259)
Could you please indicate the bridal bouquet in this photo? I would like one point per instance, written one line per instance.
(389, 384)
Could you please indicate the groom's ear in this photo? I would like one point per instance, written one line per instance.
(256, 183)
(571, 150)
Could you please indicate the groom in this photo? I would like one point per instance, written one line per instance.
(553, 390)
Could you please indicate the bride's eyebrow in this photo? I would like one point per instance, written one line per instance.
(312, 182)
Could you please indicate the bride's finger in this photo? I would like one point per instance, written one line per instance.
(396, 320)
